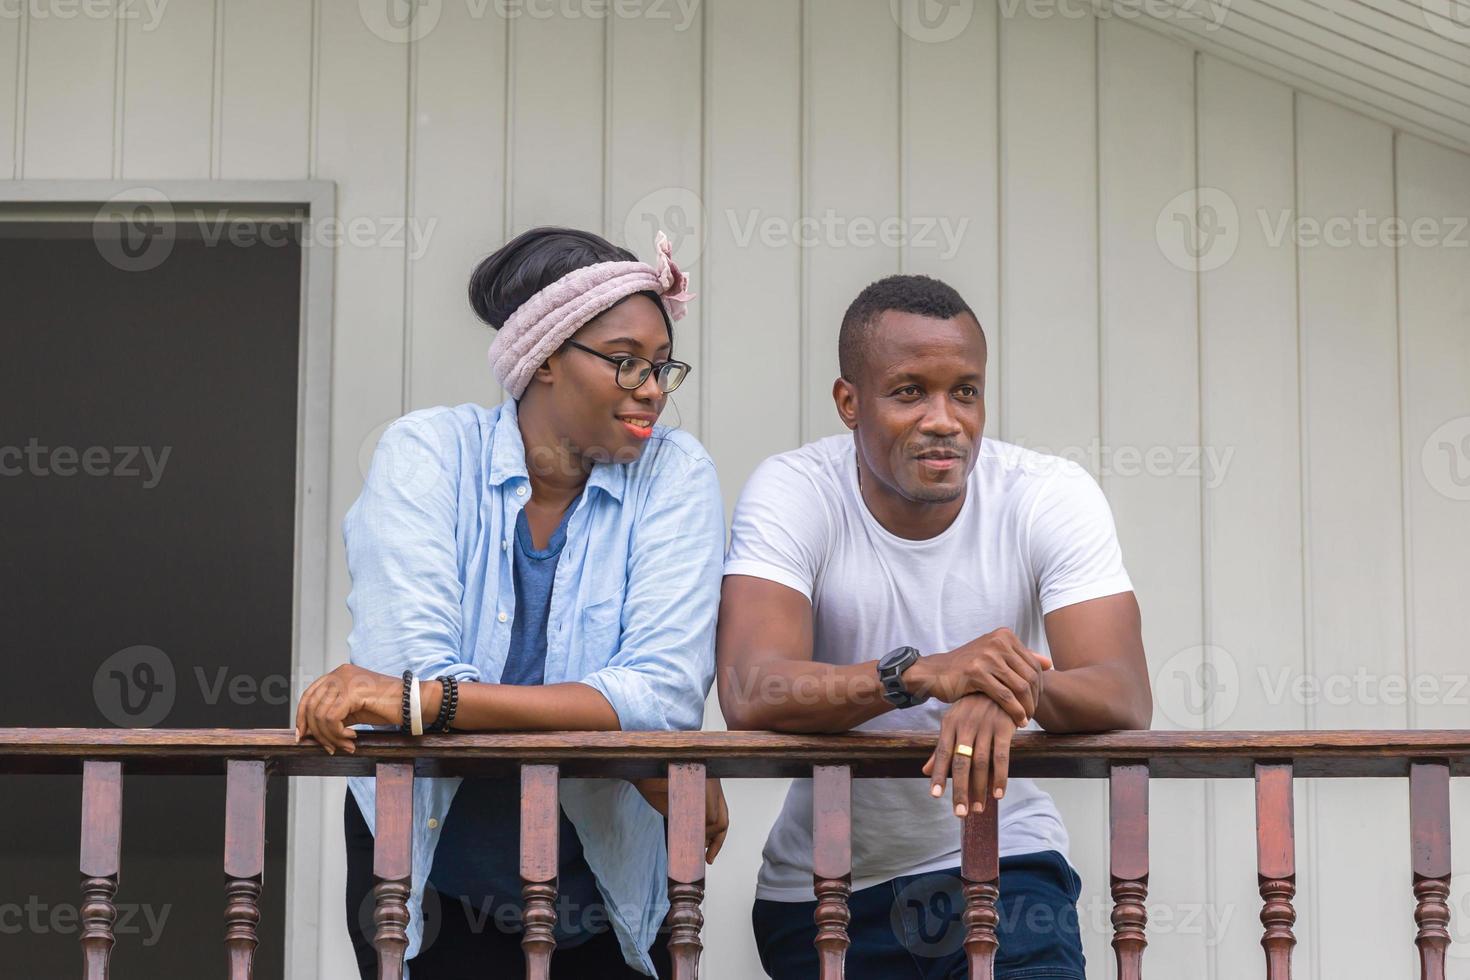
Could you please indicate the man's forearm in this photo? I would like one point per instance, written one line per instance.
(524, 708)
(801, 696)
(1098, 698)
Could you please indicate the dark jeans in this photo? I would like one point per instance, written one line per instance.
(468, 943)
(912, 926)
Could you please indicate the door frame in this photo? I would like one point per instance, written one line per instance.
(316, 200)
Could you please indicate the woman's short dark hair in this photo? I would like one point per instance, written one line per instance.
(534, 260)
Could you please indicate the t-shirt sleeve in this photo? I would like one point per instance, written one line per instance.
(1073, 542)
(780, 528)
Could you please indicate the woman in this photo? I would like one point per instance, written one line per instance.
(551, 563)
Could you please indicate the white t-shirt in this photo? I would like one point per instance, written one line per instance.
(1034, 534)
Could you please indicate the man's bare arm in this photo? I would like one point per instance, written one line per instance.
(767, 679)
(1100, 681)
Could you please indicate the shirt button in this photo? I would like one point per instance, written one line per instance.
(502, 617)
(520, 491)
(505, 545)
(433, 823)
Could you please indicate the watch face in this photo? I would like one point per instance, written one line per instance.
(894, 658)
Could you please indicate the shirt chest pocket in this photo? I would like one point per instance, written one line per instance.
(601, 628)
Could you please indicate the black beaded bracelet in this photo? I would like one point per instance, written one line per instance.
(441, 721)
(407, 726)
(448, 705)
(453, 702)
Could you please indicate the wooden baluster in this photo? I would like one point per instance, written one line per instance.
(1429, 820)
(980, 870)
(100, 863)
(1276, 865)
(832, 864)
(392, 866)
(686, 867)
(1128, 864)
(540, 824)
(244, 862)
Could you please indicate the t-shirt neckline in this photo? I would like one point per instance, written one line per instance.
(876, 525)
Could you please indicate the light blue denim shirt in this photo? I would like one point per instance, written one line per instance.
(632, 613)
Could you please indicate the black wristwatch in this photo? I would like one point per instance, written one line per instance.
(890, 674)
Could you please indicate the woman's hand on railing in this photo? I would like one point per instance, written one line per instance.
(349, 695)
(976, 721)
(716, 813)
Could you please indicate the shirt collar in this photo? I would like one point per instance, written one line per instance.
(508, 456)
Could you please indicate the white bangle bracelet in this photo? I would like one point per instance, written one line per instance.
(415, 709)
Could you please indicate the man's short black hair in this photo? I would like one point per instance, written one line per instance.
(921, 295)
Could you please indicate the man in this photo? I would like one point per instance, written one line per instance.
(915, 575)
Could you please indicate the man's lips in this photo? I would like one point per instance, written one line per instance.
(939, 459)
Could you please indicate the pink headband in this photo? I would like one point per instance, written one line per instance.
(543, 323)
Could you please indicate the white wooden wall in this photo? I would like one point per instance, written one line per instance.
(1337, 376)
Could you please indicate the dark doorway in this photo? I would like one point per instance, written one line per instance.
(148, 440)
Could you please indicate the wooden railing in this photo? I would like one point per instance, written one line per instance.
(1128, 760)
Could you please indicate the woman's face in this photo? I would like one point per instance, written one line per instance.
(601, 419)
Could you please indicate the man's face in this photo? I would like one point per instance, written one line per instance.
(918, 408)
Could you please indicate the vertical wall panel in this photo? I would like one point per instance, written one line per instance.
(750, 295)
(361, 143)
(654, 162)
(1252, 490)
(1433, 190)
(1150, 405)
(168, 101)
(1049, 230)
(1048, 305)
(950, 89)
(1355, 593)
(71, 68)
(1434, 321)
(557, 138)
(751, 292)
(458, 214)
(12, 69)
(265, 85)
(851, 179)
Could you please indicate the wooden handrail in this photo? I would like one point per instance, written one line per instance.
(1129, 760)
(1168, 754)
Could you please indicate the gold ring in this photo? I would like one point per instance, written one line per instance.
(964, 750)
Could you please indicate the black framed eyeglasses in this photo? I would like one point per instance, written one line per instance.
(633, 371)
